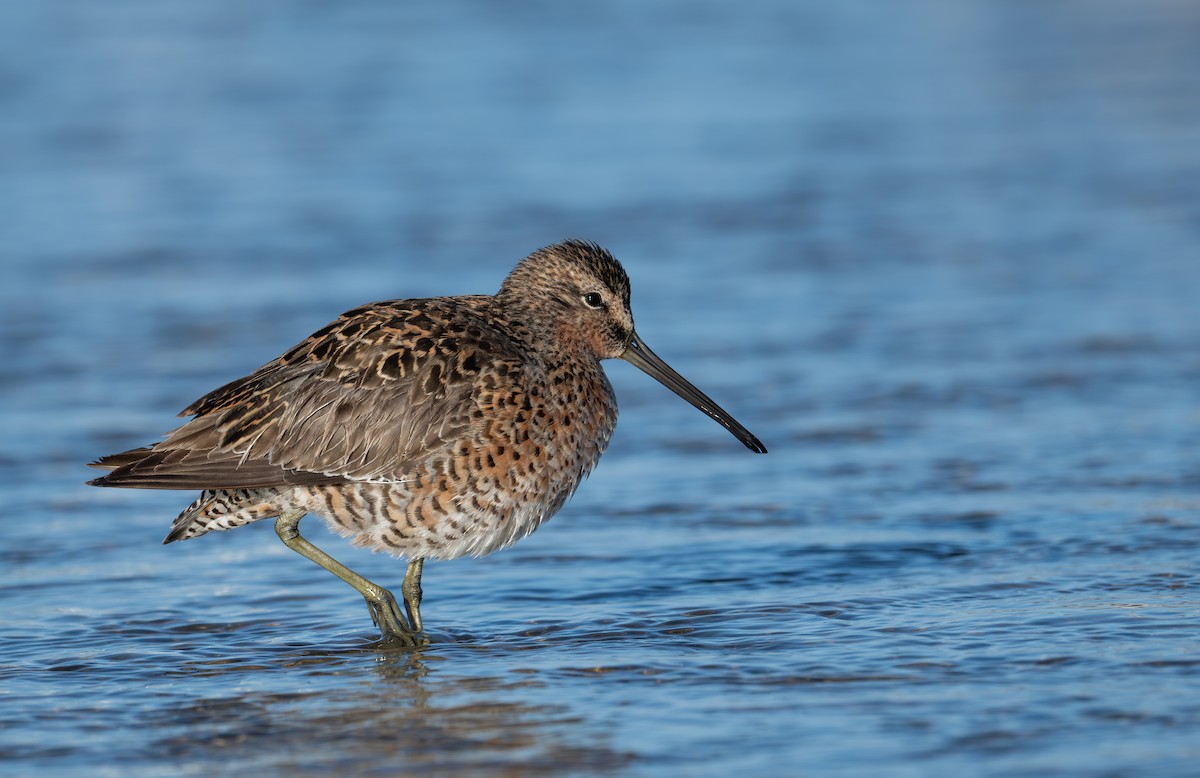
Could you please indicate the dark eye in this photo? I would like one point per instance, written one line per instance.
(593, 300)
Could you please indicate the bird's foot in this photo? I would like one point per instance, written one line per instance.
(394, 629)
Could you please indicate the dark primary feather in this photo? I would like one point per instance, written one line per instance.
(362, 399)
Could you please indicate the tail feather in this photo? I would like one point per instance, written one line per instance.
(114, 461)
(159, 467)
(222, 509)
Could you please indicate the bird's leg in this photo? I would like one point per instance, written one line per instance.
(411, 590)
(385, 612)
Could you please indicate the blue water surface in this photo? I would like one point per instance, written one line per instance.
(943, 257)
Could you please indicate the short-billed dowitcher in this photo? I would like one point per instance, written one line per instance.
(429, 429)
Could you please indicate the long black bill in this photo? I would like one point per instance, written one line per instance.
(648, 362)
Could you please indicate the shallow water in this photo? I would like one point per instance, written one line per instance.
(941, 259)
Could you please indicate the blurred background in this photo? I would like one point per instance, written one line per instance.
(941, 256)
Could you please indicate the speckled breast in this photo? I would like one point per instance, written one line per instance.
(535, 432)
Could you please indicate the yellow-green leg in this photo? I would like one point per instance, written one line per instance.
(411, 591)
(385, 612)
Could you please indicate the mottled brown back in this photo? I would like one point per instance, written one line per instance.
(362, 399)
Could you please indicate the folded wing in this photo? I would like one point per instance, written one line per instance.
(363, 399)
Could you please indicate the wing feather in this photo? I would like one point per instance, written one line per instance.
(363, 399)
